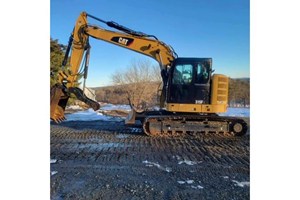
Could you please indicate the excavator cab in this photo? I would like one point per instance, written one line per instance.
(189, 81)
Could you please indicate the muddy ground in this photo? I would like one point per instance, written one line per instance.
(107, 160)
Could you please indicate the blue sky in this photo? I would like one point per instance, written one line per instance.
(194, 28)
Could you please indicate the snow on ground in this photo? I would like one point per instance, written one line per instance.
(151, 164)
(75, 107)
(115, 107)
(90, 115)
(242, 183)
(188, 162)
(52, 161)
(237, 112)
(194, 186)
(197, 187)
(185, 161)
(53, 173)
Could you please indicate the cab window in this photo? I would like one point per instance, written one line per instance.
(183, 74)
(202, 74)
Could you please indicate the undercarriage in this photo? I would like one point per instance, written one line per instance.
(164, 123)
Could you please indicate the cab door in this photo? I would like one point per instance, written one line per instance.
(202, 84)
(181, 87)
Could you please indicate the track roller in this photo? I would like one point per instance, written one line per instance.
(238, 127)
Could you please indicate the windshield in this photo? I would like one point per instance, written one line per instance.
(183, 74)
(191, 73)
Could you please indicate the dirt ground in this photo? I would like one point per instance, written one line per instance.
(107, 160)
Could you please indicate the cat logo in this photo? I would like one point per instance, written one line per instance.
(122, 40)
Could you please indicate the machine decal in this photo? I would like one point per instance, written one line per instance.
(122, 40)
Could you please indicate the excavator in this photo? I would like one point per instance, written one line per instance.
(191, 98)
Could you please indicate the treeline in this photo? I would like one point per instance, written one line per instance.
(239, 93)
(57, 53)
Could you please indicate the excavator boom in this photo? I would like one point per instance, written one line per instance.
(78, 48)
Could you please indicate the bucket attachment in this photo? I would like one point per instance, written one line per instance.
(58, 102)
(59, 97)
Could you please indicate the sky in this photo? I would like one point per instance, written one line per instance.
(194, 28)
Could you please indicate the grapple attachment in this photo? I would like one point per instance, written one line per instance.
(59, 97)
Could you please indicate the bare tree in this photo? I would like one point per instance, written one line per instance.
(139, 80)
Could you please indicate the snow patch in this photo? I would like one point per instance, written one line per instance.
(197, 187)
(115, 107)
(53, 173)
(151, 164)
(52, 161)
(189, 162)
(241, 184)
(191, 182)
(74, 107)
(187, 181)
(237, 112)
(89, 115)
(186, 161)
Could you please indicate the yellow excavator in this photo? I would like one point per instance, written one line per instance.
(191, 94)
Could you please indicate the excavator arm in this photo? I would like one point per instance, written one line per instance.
(78, 49)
